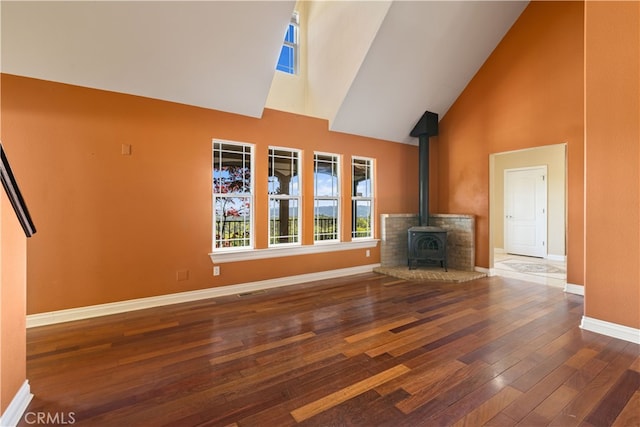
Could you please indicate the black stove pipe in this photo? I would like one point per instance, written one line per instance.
(426, 127)
(423, 176)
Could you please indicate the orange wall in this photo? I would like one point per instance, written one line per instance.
(114, 227)
(13, 282)
(612, 91)
(13, 301)
(528, 93)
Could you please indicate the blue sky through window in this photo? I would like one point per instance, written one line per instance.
(290, 37)
(287, 59)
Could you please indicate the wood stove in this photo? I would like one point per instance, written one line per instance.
(427, 245)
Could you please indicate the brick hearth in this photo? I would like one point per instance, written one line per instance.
(460, 238)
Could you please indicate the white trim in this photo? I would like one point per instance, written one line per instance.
(371, 198)
(560, 258)
(17, 406)
(52, 317)
(611, 329)
(277, 252)
(499, 251)
(337, 197)
(297, 198)
(570, 288)
(487, 271)
(251, 196)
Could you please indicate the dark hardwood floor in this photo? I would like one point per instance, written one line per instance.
(366, 350)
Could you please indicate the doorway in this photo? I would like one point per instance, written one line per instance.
(554, 254)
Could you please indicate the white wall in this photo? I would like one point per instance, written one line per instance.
(289, 91)
(335, 37)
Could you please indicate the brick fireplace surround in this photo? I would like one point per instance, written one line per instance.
(460, 238)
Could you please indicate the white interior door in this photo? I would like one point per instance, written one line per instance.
(525, 207)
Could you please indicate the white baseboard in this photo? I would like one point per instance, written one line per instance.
(570, 288)
(17, 406)
(483, 270)
(68, 315)
(611, 329)
(560, 258)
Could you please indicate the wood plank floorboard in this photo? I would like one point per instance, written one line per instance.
(365, 350)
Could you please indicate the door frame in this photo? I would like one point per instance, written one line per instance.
(496, 196)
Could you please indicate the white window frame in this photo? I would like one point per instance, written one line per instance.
(371, 198)
(250, 196)
(295, 45)
(297, 198)
(336, 197)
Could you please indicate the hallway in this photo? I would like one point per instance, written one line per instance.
(538, 270)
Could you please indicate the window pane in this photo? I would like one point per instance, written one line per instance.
(326, 220)
(362, 198)
(290, 36)
(362, 178)
(361, 218)
(232, 221)
(287, 60)
(326, 175)
(284, 189)
(283, 172)
(231, 169)
(283, 221)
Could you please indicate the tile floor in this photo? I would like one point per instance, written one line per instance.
(538, 270)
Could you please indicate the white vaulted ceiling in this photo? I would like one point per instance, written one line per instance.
(422, 58)
(212, 54)
(222, 54)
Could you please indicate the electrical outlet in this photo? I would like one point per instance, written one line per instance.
(368, 253)
(216, 270)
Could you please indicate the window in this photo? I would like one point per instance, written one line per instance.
(284, 196)
(288, 60)
(232, 195)
(361, 198)
(326, 205)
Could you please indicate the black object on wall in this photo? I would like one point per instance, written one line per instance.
(426, 127)
(426, 244)
(15, 197)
